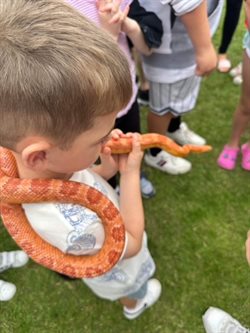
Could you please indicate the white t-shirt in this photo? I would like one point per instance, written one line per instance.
(77, 230)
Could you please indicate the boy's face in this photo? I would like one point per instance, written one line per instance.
(85, 149)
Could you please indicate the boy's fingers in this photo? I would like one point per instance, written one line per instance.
(116, 133)
(116, 18)
(107, 8)
(116, 5)
(105, 151)
(136, 142)
(129, 134)
(101, 3)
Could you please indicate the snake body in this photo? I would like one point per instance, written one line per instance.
(154, 140)
(15, 191)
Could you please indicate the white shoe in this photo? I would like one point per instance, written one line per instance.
(152, 296)
(236, 70)
(218, 321)
(147, 188)
(168, 163)
(7, 290)
(238, 80)
(185, 136)
(12, 259)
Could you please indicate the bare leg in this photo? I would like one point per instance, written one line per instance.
(242, 114)
(158, 124)
(128, 302)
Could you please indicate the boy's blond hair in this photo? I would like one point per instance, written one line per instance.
(58, 72)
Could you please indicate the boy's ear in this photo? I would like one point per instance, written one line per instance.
(34, 155)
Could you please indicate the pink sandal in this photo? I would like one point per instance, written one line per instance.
(245, 150)
(228, 157)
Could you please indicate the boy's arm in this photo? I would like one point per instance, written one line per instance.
(149, 22)
(114, 20)
(197, 25)
(132, 29)
(131, 207)
(111, 16)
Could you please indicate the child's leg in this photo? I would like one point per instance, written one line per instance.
(135, 304)
(12, 259)
(166, 101)
(233, 9)
(158, 124)
(242, 114)
(241, 119)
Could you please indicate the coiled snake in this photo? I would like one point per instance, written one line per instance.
(15, 191)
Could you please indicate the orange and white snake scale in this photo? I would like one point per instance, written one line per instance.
(15, 191)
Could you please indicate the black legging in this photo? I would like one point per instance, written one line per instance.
(231, 20)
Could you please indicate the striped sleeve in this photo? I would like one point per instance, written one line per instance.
(182, 7)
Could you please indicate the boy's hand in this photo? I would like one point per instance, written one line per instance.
(206, 61)
(109, 162)
(131, 163)
(111, 16)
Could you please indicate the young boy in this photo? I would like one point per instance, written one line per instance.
(65, 81)
(112, 17)
(173, 70)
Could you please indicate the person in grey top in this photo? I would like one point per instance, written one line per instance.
(174, 70)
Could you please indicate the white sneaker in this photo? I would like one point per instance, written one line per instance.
(185, 136)
(238, 80)
(152, 296)
(147, 188)
(7, 290)
(236, 70)
(168, 163)
(12, 259)
(218, 321)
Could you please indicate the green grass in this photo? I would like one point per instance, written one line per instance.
(196, 225)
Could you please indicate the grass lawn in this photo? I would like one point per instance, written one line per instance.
(196, 224)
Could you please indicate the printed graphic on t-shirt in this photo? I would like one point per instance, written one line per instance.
(80, 218)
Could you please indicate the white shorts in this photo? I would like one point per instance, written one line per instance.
(178, 97)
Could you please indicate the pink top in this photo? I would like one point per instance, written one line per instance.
(88, 8)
